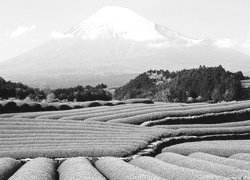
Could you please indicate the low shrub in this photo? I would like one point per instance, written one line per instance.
(64, 107)
(230, 124)
(37, 169)
(8, 167)
(241, 156)
(202, 165)
(24, 107)
(210, 118)
(78, 168)
(221, 160)
(50, 108)
(9, 106)
(134, 101)
(170, 171)
(77, 107)
(114, 168)
(214, 131)
(215, 147)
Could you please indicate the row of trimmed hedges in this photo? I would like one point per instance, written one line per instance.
(210, 118)
(168, 166)
(53, 138)
(204, 165)
(216, 147)
(21, 106)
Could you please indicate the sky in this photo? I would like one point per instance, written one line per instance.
(26, 24)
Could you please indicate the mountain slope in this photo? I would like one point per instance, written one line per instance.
(112, 46)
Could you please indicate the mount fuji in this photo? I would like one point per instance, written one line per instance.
(112, 46)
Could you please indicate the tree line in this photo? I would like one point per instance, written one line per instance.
(21, 91)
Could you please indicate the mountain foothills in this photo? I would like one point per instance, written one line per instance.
(112, 46)
(189, 85)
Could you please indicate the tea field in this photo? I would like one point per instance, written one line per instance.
(133, 139)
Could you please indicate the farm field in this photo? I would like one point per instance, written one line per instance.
(131, 139)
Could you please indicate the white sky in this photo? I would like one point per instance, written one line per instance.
(25, 24)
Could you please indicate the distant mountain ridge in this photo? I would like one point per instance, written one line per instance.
(112, 46)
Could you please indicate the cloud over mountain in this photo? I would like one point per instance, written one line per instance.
(22, 30)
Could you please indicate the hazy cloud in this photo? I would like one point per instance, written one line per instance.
(246, 44)
(22, 30)
(225, 43)
(59, 35)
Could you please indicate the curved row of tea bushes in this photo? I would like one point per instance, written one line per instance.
(221, 160)
(117, 169)
(77, 111)
(74, 111)
(81, 114)
(241, 156)
(230, 124)
(79, 168)
(37, 169)
(215, 131)
(139, 119)
(211, 118)
(110, 115)
(22, 106)
(125, 109)
(52, 138)
(8, 167)
(202, 165)
(221, 148)
(139, 116)
(171, 171)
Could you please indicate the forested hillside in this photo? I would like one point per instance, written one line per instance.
(18, 90)
(188, 85)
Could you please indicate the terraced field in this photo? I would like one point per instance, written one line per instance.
(134, 140)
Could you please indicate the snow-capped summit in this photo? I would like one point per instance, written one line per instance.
(114, 21)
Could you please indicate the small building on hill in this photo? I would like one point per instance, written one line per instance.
(245, 83)
(245, 91)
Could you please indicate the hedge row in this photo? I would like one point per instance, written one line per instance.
(218, 148)
(8, 167)
(37, 169)
(203, 165)
(72, 138)
(114, 168)
(21, 106)
(171, 171)
(210, 118)
(139, 119)
(221, 160)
